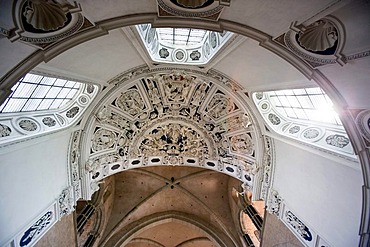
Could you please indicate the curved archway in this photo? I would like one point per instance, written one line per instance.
(123, 236)
(316, 75)
(172, 117)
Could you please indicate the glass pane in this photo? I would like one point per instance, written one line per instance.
(45, 104)
(40, 91)
(31, 105)
(56, 103)
(71, 93)
(70, 84)
(64, 92)
(48, 81)
(32, 78)
(14, 105)
(53, 92)
(60, 82)
(36, 92)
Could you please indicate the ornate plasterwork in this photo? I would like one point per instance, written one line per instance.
(66, 202)
(41, 23)
(199, 9)
(173, 118)
(274, 203)
(267, 168)
(319, 43)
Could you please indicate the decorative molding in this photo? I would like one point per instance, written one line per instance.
(319, 43)
(162, 118)
(66, 201)
(33, 232)
(274, 203)
(268, 168)
(210, 11)
(299, 227)
(43, 23)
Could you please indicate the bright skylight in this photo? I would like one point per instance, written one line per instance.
(36, 92)
(181, 36)
(305, 104)
(181, 45)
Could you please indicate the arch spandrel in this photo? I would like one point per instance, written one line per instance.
(172, 118)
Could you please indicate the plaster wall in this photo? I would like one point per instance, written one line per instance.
(35, 174)
(323, 194)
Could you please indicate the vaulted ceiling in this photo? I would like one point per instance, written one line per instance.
(161, 202)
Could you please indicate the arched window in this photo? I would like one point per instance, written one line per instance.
(42, 103)
(304, 114)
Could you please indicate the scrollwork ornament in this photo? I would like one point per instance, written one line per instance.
(131, 102)
(36, 229)
(48, 121)
(274, 203)
(299, 226)
(66, 202)
(339, 141)
(28, 125)
(71, 113)
(4, 130)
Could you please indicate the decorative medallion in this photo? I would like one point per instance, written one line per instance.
(295, 129)
(28, 125)
(259, 95)
(213, 40)
(103, 139)
(219, 106)
(4, 130)
(71, 113)
(242, 144)
(179, 55)
(151, 35)
(298, 225)
(163, 53)
(48, 121)
(193, 4)
(311, 133)
(83, 100)
(338, 141)
(90, 88)
(131, 102)
(195, 55)
(37, 228)
(208, 9)
(275, 120)
(264, 106)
